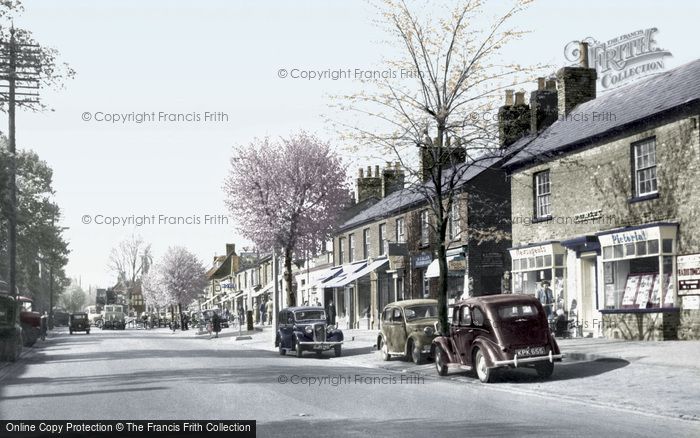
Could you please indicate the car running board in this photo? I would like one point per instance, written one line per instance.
(460, 366)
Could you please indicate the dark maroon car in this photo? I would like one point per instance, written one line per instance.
(497, 331)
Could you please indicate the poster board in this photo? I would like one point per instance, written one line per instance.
(688, 268)
(630, 295)
(646, 283)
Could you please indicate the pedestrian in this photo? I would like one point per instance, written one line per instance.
(331, 313)
(144, 320)
(544, 294)
(268, 309)
(262, 313)
(505, 283)
(215, 324)
(317, 303)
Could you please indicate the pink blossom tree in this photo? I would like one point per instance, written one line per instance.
(287, 195)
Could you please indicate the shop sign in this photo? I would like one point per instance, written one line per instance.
(457, 264)
(226, 284)
(531, 251)
(492, 260)
(629, 237)
(688, 273)
(422, 260)
(588, 216)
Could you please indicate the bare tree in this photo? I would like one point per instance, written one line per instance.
(129, 260)
(442, 106)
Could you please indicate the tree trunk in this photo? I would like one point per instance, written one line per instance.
(441, 226)
(288, 280)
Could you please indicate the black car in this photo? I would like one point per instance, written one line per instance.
(10, 329)
(79, 322)
(302, 329)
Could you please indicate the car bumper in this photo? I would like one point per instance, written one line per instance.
(320, 345)
(516, 361)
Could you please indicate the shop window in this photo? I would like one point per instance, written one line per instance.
(617, 251)
(548, 260)
(531, 263)
(629, 249)
(607, 252)
(653, 246)
(645, 167)
(667, 246)
(641, 248)
(542, 195)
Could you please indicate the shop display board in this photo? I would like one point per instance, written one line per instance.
(630, 295)
(646, 283)
(660, 293)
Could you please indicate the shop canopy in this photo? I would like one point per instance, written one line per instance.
(318, 277)
(354, 272)
(433, 270)
(263, 290)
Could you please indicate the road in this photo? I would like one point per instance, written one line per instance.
(137, 374)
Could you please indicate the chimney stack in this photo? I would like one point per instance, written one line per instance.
(543, 105)
(576, 85)
(513, 119)
(393, 178)
(230, 249)
(369, 186)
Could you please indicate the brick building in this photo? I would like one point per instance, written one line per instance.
(384, 252)
(605, 202)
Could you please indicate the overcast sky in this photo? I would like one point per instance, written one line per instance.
(192, 57)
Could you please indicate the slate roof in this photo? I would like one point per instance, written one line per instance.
(408, 197)
(627, 105)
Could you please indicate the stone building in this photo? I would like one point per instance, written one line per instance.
(605, 202)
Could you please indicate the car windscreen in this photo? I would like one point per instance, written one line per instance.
(421, 311)
(309, 315)
(79, 316)
(517, 311)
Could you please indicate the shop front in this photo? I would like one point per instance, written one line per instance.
(538, 264)
(456, 274)
(638, 275)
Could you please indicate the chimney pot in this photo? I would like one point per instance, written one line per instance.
(520, 98)
(509, 97)
(397, 165)
(369, 171)
(360, 174)
(540, 84)
(583, 57)
(551, 84)
(376, 172)
(389, 164)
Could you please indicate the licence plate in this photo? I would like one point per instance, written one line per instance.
(530, 351)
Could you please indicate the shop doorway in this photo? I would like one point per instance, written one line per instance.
(588, 292)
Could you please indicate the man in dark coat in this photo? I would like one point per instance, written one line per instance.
(331, 313)
(216, 324)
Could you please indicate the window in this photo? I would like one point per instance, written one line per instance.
(351, 248)
(455, 227)
(465, 318)
(382, 238)
(542, 194)
(366, 245)
(341, 250)
(424, 227)
(400, 236)
(645, 167)
(478, 317)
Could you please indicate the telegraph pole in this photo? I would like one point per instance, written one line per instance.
(19, 68)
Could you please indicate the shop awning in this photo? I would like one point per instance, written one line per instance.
(361, 271)
(263, 290)
(433, 270)
(324, 275)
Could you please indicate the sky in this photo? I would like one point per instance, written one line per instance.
(223, 61)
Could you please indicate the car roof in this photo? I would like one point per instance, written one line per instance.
(405, 303)
(498, 299)
(303, 308)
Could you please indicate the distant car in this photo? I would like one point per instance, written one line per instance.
(60, 316)
(497, 331)
(114, 317)
(95, 317)
(302, 329)
(408, 329)
(79, 322)
(10, 329)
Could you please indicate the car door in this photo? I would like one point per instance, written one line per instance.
(389, 330)
(285, 328)
(463, 333)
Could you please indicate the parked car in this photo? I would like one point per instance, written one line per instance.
(29, 319)
(60, 316)
(497, 331)
(114, 317)
(79, 322)
(408, 329)
(10, 329)
(302, 329)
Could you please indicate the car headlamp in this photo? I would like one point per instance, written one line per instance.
(308, 330)
(429, 331)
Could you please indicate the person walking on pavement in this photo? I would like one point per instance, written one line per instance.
(268, 309)
(331, 313)
(544, 294)
(262, 313)
(215, 324)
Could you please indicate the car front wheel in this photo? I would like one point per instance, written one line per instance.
(385, 351)
(282, 350)
(440, 364)
(482, 371)
(299, 350)
(544, 369)
(338, 350)
(416, 354)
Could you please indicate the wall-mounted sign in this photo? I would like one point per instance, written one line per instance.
(492, 260)
(688, 267)
(422, 260)
(457, 265)
(691, 302)
(531, 251)
(588, 216)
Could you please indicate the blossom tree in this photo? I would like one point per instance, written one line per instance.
(177, 279)
(286, 194)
